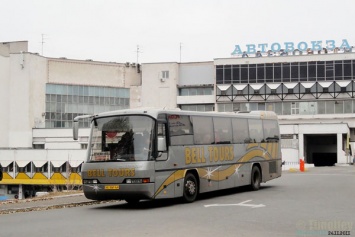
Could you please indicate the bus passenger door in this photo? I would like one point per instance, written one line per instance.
(164, 178)
(162, 151)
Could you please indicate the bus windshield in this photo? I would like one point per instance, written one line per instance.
(121, 138)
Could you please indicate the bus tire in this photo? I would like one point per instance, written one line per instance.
(255, 178)
(190, 188)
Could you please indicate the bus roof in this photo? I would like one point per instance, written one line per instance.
(154, 112)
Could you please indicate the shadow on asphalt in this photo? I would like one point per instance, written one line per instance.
(160, 203)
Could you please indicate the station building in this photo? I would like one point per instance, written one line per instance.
(312, 92)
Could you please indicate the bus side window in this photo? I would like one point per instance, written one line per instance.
(240, 130)
(271, 131)
(223, 130)
(256, 130)
(203, 130)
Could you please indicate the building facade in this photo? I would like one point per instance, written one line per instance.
(312, 92)
(39, 99)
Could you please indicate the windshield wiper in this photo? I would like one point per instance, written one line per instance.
(272, 138)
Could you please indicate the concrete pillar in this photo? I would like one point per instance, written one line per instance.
(341, 157)
(301, 146)
(20, 192)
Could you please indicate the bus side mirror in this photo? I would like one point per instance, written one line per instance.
(76, 125)
(161, 144)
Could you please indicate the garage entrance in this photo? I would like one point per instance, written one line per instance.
(321, 150)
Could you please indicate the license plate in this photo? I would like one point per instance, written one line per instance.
(112, 187)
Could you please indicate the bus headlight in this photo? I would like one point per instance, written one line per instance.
(138, 181)
(90, 181)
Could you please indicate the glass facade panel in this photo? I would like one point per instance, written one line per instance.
(203, 108)
(227, 74)
(244, 74)
(269, 70)
(312, 71)
(348, 107)
(339, 107)
(329, 107)
(303, 71)
(277, 72)
(286, 72)
(252, 73)
(195, 91)
(69, 101)
(338, 70)
(347, 70)
(236, 74)
(260, 73)
(290, 108)
(219, 74)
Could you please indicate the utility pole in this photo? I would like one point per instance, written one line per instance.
(138, 53)
(180, 51)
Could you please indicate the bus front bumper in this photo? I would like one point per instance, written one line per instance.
(118, 191)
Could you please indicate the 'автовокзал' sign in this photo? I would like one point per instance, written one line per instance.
(290, 46)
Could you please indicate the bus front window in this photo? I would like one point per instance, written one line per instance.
(123, 138)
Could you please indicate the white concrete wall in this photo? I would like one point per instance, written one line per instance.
(4, 101)
(196, 73)
(155, 92)
(197, 99)
(26, 91)
(60, 138)
(6, 48)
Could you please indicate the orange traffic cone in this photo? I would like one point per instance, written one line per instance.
(301, 165)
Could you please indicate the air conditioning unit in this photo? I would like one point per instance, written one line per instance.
(162, 79)
(127, 64)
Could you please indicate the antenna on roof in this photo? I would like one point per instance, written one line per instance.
(138, 53)
(42, 42)
(180, 51)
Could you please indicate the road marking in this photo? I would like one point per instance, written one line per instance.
(243, 204)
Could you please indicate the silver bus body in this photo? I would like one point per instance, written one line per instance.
(179, 163)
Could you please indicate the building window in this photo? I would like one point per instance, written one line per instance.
(65, 102)
(165, 74)
(285, 72)
(84, 146)
(38, 146)
(195, 91)
(202, 108)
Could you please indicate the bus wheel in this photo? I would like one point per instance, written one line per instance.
(190, 188)
(255, 178)
(132, 201)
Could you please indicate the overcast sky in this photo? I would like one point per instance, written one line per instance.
(110, 30)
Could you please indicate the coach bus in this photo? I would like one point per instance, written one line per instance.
(156, 153)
